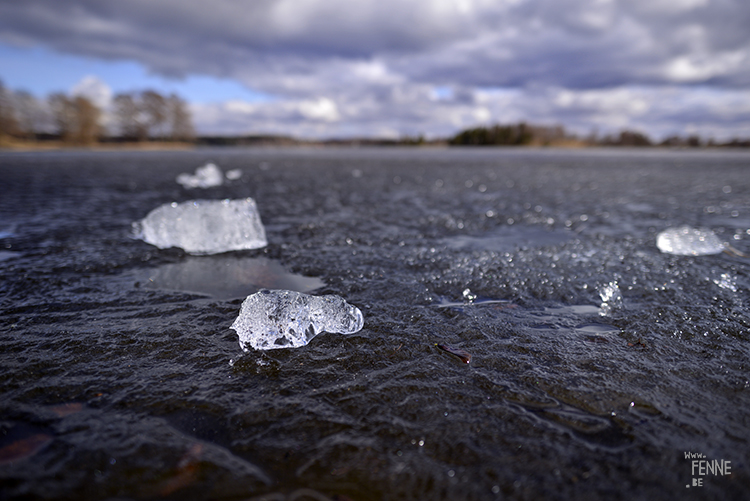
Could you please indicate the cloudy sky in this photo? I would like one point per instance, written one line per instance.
(387, 68)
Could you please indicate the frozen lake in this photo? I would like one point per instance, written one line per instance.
(598, 363)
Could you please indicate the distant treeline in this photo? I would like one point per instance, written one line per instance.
(149, 116)
(522, 134)
(76, 120)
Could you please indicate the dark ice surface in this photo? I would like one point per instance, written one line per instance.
(598, 364)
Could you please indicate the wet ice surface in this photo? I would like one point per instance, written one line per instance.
(204, 226)
(273, 319)
(687, 241)
(117, 391)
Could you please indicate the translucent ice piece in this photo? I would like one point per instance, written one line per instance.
(205, 177)
(272, 319)
(204, 226)
(687, 241)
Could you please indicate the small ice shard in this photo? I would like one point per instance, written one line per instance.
(205, 177)
(204, 226)
(468, 296)
(233, 174)
(272, 319)
(687, 241)
(611, 298)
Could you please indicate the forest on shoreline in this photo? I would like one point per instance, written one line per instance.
(148, 120)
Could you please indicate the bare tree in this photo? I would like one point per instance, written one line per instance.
(87, 121)
(30, 112)
(77, 120)
(63, 115)
(128, 117)
(8, 121)
(180, 121)
(154, 108)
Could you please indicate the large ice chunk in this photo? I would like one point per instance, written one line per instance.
(204, 226)
(687, 241)
(205, 177)
(272, 319)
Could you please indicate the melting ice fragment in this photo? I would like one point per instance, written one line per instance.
(205, 177)
(204, 226)
(272, 319)
(687, 241)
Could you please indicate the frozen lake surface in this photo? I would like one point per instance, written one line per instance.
(598, 363)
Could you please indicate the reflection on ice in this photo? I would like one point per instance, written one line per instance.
(4, 255)
(595, 328)
(272, 319)
(205, 177)
(469, 299)
(226, 277)
(509, 238)
(687, 241)
(204, 226)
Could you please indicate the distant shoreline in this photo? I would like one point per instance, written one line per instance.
(281, 141)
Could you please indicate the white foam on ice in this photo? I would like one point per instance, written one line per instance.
(204, 226)
(205, 177)
(271, 319)
(687, 241)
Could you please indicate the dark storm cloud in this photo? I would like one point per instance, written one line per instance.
(571, 43)
(350, 65)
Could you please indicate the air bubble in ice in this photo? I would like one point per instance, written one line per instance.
(204, 226)
(687, 241)
(271, 319)
(205, 177)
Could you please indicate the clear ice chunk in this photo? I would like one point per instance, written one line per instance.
(205, 177)
(271, 319)
(204, 226)
(687, 241)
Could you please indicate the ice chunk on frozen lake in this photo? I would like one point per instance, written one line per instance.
(272, 319)
(204, 226)
(205, 177)
(687, 241)
(234, 174)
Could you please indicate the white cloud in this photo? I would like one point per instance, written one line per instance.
(700, 68)
(94, 89)
(431, 66)
(321, 108)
